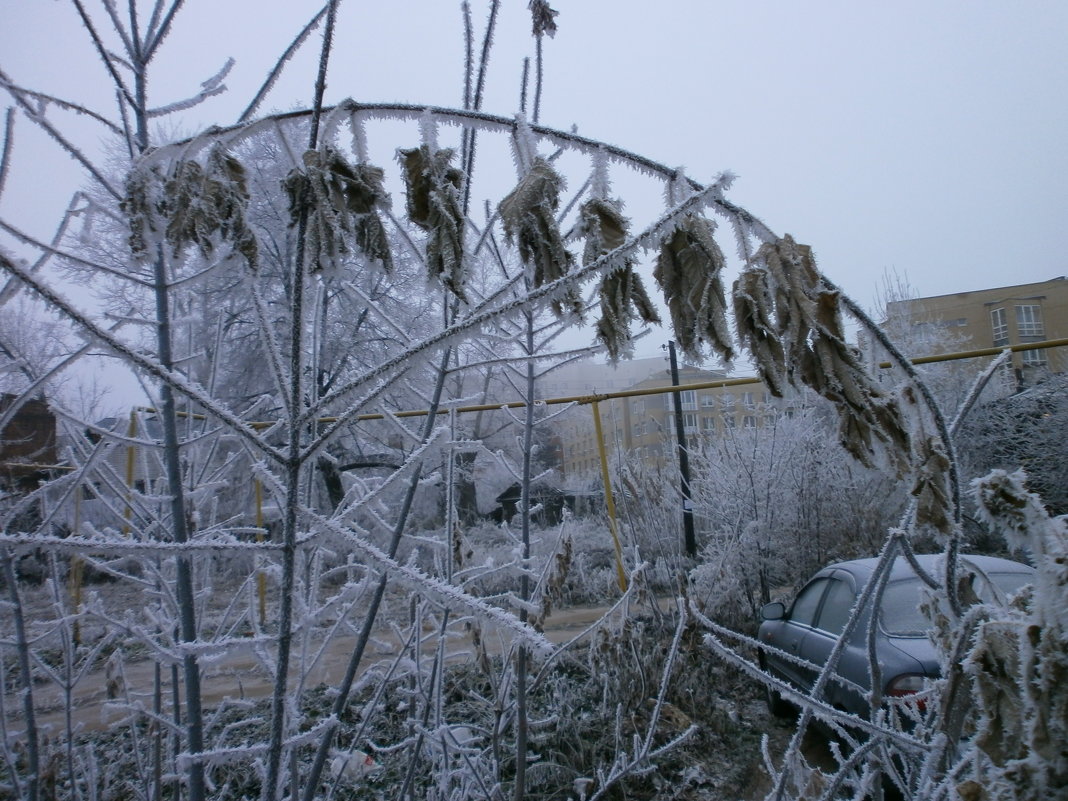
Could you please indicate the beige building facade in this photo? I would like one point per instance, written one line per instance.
(642, 427)
(1003, 316)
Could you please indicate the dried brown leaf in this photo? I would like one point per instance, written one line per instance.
(142, 208)
(933, 498)
(622, 293)
(203, 204)
(433, 203)
(754, 316)
(791, 322)
(528, 214)
(689, 271)
(339, 202)
(543, 17)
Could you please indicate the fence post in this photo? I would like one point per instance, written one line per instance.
(261, 578)
(131, 432)
(608, 499)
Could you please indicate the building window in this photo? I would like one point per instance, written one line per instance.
(637, 407)
(729, 421)
(747, 400)
(689, 399)
(749, 421)
(708, 424)
(708, 401)
(727, 398)
(1029, 321)
(689, 421)
(999, 323)
(1033, 358)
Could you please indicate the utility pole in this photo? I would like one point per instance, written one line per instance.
(689, 538)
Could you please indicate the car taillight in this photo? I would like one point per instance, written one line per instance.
(905, 684)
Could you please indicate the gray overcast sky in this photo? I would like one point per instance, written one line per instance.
(926, 137)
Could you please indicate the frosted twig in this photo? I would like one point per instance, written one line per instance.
(444, 593)
(272, 76)
(5, 152)
(154, 36)
(25, 676)
(976, 390)
(103, 53)
(270, 344)
(66, 105)
(211, 87)
(638, 760)
(130, 39)
(53, 250)
(73, 151)
(476, 321)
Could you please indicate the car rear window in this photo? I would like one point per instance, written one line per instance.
(1008, 583)
(900, 608)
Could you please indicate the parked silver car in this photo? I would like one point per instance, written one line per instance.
(816, 618)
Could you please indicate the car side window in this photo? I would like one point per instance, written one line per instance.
(835, 611)
(804, 608)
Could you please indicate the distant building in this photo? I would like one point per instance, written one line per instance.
(643, 426)
(587, 377)
(27, 444)
(1003, 316)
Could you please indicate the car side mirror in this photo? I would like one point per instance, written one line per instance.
(776, 610)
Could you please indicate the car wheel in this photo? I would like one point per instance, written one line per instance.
(777, 705)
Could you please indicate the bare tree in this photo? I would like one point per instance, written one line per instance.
(281, 238)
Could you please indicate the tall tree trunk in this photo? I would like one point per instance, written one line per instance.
(187, 624)
(294, 460)
(26, 679)
(524, 581)
(172, 465)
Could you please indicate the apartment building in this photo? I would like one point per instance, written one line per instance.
(1002, 316)
(643, 426)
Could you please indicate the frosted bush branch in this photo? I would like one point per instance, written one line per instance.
(138, 359)
(211, 87)
(639, 759)
(53, 251)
